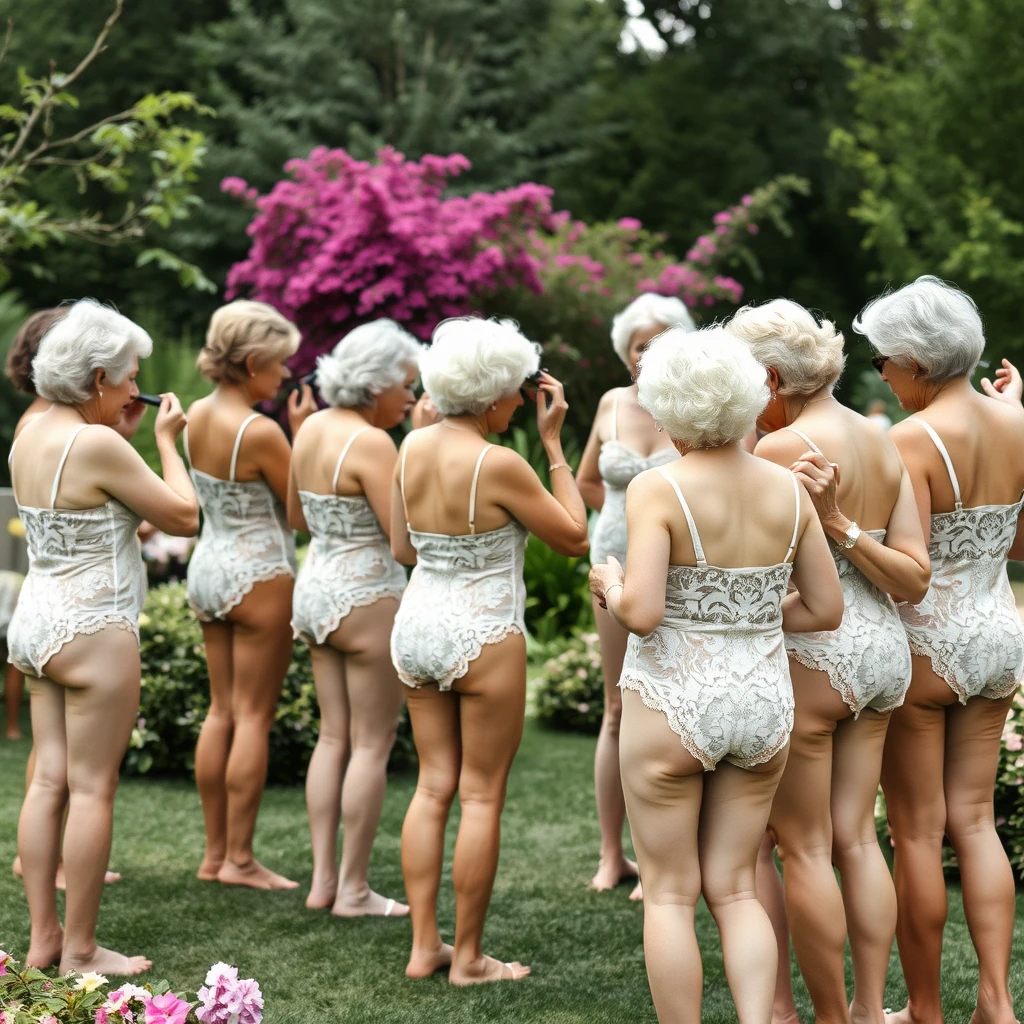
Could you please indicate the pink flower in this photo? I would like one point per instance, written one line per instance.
(1013, 741)
(102, 1017)
(753, 229)
(245, 1000)
(5, 959)
(723, 218)
(721, 230)
(166, 1009)
(629, 224)
(747, 200)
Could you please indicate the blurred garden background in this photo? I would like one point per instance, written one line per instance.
(541, 159)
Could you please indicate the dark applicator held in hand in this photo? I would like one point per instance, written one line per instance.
(154, 400)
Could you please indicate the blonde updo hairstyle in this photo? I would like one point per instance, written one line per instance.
(368, 360)
(782, 335)
(644, 312)
(704, 388)
(473, 362)
(241, 329)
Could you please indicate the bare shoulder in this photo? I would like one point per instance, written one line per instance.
(782, 447)
(649, 486)
(376, 443)
(506, 460)
(264, 429)
(97, 441)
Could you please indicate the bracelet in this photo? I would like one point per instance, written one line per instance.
(612, 587)
(558, 465)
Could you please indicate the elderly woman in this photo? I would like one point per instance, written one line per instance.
(81, 496)
(461, 512)
(241, 574)
(707, 709)
(346, 596)
(965, 454)
(847, 682)
(623, 442)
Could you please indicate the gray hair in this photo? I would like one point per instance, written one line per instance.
(704, 388)
(644, 312)
(88, 338)
(472, 362)
(931, 322)
(807, 351)
(367, 361)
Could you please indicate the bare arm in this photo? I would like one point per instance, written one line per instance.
(817, 602)
(588, 475)
(273, 455)
(296, 517)
(401, 545)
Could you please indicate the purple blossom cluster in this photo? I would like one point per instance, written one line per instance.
(225, 999)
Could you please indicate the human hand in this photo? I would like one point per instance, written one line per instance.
(170, 419)
(551, 407)
(1007, 387)
(301, 405)
(424, 413)
(131, 417)
(604, 577)
(821, 480)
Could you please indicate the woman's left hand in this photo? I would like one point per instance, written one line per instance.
(820, 478)
(603, 578)
(1007, 386)
(301, 405)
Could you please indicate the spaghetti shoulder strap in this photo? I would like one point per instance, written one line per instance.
(796, 521)
(184, 441)
(698, 548)
(947, 460)
(238, 443)
(401, 476)
(805, 439)
(615, 415)
(344, 452)
(472, 489)
(10, 467)
(63, 459)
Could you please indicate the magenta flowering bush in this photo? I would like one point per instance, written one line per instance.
(343, 241)
(30, 997)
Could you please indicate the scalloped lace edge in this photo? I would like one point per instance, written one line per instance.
(239, 596)
(837, 678)
(326, 628)
(945, 668)
(464, 661)
(124, 622)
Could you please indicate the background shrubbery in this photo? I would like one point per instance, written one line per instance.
(175, 698)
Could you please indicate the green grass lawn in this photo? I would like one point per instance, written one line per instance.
(585, 948)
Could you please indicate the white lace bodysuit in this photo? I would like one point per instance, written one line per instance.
(245, 538)
(867, 659)
(349, 563)
(967, 623)
(85, 573)
(618, 464)
(465, 591)
(716, 667)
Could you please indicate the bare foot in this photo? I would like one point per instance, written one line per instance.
(485, 969)
(906, 1016)
(367, 904)
(44, 950)
(13, 734)
(859, 1014)
(613, 873)
(637, 895)
(254, 875)
(423, 965)
(321, 894)
(209, 869)
(105, 962)
(787, 1016)
(994, 1015)
(109, 878)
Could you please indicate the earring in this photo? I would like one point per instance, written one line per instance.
(494, 407)
(101, 394)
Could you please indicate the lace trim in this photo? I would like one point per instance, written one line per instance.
(327, 626)
(242, 592)
(944, 666)
(838, 676)
(122, 622)
(464, 660)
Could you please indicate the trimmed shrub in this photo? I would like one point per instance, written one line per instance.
(570, 688)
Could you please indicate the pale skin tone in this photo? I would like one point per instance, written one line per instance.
(823, 812)
(466, 738)
(84, 708)
(358, 691)
(248, 652)
(940, 757)
(635, 429)
(694, 832)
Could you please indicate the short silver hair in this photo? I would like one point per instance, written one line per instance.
(704, 388)
(473, 362)
(88, 338)
(807, 351)
(647, 311)
(934, 323)
(367, 361)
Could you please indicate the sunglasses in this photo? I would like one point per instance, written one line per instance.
(878, 362)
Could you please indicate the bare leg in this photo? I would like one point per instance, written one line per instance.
(802, 823)
(973, 737)
(40, 822)
(435, 728)
(260, 652)
(868, 893)
(663, 785)
(733, 817)
(213, 748)
(613, 866)
(912, 766)
(375, 700)
(773, 899)
(492, 703)
(14, 689)
(100, 674)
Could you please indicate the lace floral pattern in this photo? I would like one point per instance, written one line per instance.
(867, 658)
(465, 591)
(618, 464)
(85, 573)
(245, 540)
(967, 623)
(348, 565)
(716, 667)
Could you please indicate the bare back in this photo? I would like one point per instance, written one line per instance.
(324, 438)
(213, 426)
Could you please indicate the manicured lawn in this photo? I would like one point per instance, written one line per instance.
(585, 948)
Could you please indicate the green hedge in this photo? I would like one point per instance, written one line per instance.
(175, 697)
(570, 689)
